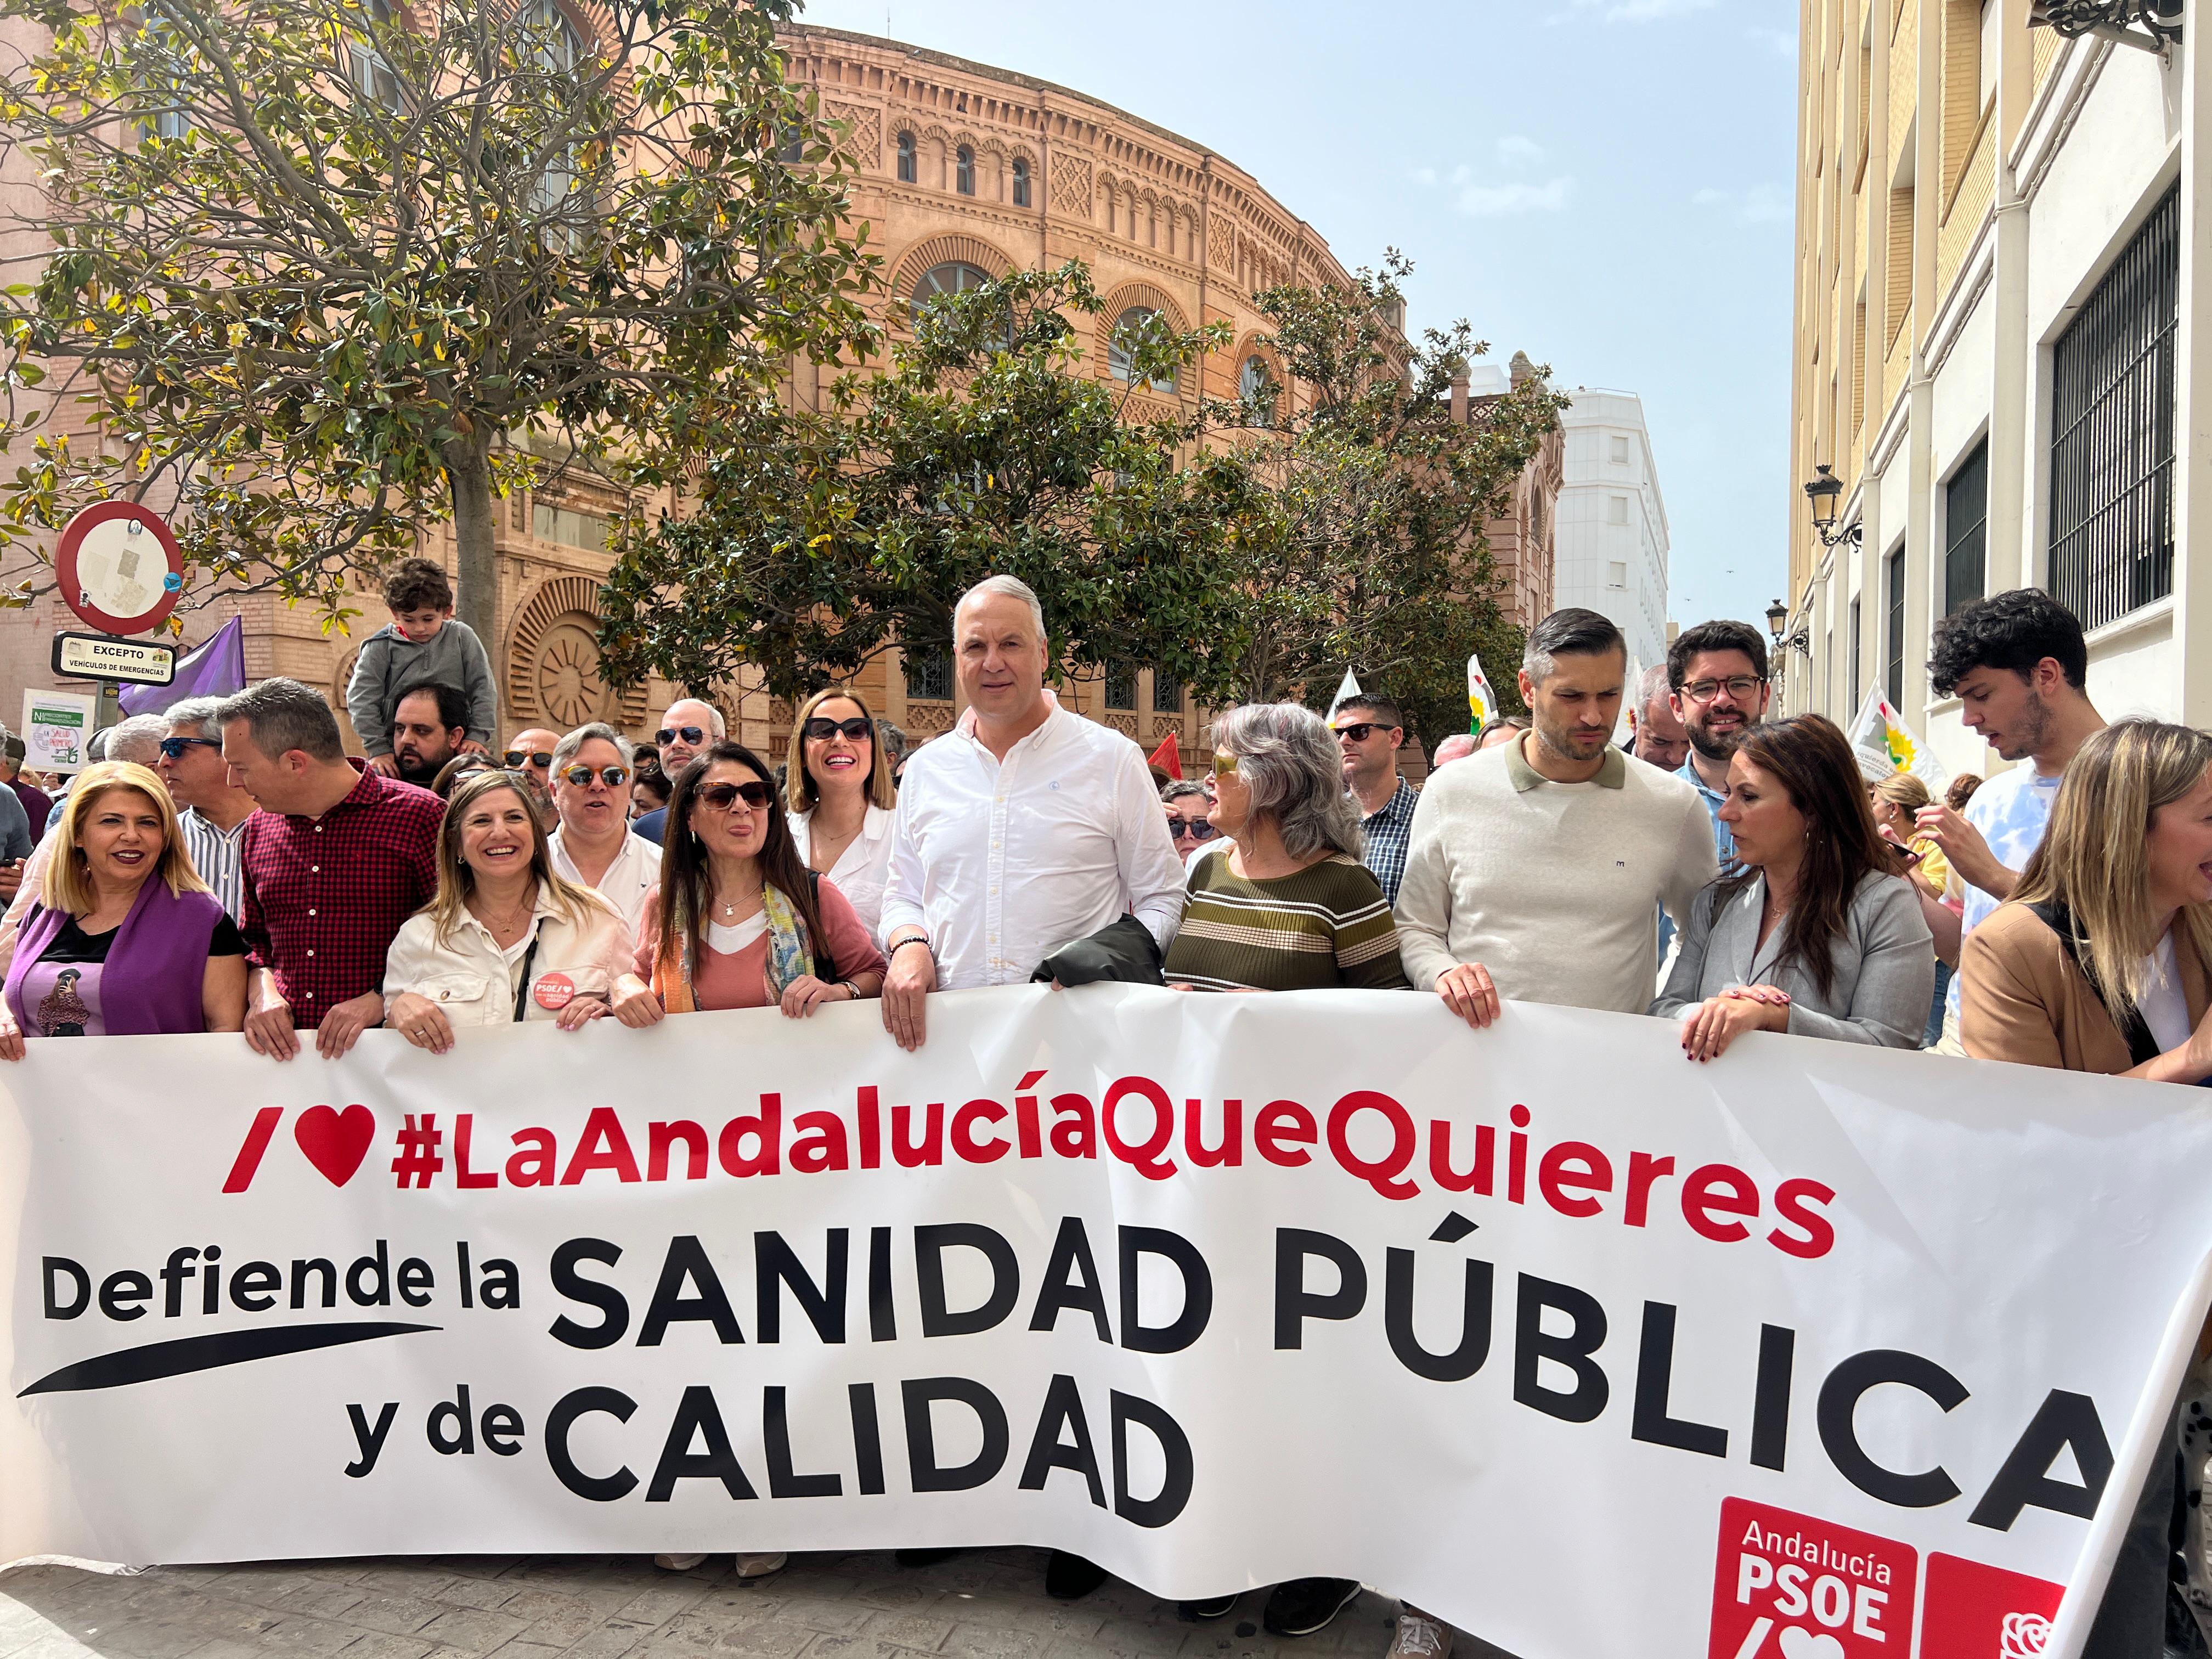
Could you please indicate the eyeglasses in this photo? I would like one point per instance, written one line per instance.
(722, 797)
(1224, 766)
(1196, 828)
(174, 748)
(1739, 686)
(1359, 732)
(540, 758)
(613, 776)
(690, 733)
(855, 730)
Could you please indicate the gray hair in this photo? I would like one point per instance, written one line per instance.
(895, 741)
(1013, 587)
(1176, 789)
(1458, 746)
(280, 715)
(1289, 759)
(138, 739)
(565, 750)
(1651, 687)
(1573, 632)
(202, 714)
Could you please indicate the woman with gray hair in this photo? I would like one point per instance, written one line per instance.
(1291, 907)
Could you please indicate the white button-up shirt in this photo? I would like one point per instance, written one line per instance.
(863, 868)
(630, 881)
(1004, 862)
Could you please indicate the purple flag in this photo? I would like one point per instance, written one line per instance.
(215, 669)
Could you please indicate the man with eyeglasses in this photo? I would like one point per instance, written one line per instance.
(211, 810)
(1717, 673)
(690, 725)
(532, 754)
(1370, 730)
(593, 847)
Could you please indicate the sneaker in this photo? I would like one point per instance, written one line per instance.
(1070, 1577)
(1301, 1606)
(1219, 1607)
(752, 1568)
(677, 1563)
(1419, 1637)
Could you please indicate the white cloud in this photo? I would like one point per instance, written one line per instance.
(1495, 201)
(1514, 148)
(1424, 177)
(1755, 204)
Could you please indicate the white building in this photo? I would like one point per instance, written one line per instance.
(1612, 524)
(2005, 319)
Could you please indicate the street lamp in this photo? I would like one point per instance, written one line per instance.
(1823, 492)
(1777, 618)
(2108, 19)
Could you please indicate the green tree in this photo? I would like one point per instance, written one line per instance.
(1363, 542)
(983, 445)
(322, 272)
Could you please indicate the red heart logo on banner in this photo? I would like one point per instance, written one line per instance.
(336, 1142)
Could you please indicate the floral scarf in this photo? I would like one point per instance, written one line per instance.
(790, 956)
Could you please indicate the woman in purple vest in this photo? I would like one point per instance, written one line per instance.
(125, 939)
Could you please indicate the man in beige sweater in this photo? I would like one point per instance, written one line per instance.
(1535, 870)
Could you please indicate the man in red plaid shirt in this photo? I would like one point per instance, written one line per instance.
(335, 861)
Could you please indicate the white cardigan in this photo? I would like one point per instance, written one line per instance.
(473, 981)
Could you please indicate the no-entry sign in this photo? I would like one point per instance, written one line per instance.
(120, 569)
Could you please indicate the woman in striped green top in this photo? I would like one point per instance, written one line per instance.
(1288, 907)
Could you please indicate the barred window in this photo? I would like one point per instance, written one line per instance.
(1167, 695)
(1122, 685)
(2111, 432)
(1965, 530)
(929, 673)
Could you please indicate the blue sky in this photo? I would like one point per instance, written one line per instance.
(1603, 183)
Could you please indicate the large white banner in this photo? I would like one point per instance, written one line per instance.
(1815, 1352)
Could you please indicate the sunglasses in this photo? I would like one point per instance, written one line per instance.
(540, 758)
(691, 734)
(722, 797)
(613, 776)
(174, 748)
(1199, 829)
(1224, 766)
(855, 730)
(1358, 733)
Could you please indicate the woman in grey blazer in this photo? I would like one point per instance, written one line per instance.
(1817, 936)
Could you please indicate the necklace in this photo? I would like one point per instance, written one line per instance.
(509, 923)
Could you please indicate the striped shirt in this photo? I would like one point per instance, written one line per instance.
(1326, 926)
(215, 855)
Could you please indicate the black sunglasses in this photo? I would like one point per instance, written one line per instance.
(723, 796)
(855, 730)
(1197, 829)
(540, 758)
(613, 776)
(174, 748)
(689, 733)
(1358, 733)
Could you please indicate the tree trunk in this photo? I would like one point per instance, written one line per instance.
(476, 600)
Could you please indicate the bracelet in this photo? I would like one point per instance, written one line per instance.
(922, 940)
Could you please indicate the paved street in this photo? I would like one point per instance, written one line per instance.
(989, 1603)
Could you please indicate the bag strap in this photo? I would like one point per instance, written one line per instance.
(522, 990)
(2142, 1045)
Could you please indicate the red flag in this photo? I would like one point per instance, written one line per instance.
(1168, 758)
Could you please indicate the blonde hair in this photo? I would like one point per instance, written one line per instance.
(456, 881)
(1903, 789)
(68, 885)
(800, 782)
(2092, 858)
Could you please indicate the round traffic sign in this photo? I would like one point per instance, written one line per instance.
(120, 569)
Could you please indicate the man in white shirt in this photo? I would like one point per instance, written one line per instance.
(592, 845)
(1024, 829)
(2019, 666)
(213, 809)
(1535, 868)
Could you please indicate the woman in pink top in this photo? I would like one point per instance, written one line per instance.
(741, 921)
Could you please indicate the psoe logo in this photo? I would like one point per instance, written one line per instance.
(2023, 1635)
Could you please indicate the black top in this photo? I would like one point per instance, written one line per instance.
(73, 943)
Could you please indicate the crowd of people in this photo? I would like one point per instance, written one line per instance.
(227, 867)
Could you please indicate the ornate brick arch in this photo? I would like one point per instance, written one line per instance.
(936, 250)
(1119, 300)
(553, 661)
(1253, 343)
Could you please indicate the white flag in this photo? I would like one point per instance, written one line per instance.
(1885, 744)
(1481, 703)
(1349, 689)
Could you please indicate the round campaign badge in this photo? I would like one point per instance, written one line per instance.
(555, 991)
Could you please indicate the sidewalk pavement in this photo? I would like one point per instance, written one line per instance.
(989, 1604)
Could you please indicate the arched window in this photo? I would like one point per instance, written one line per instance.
(907, 171)
(953, 276)
(1255, 383)
(1118, 360)
(1021, 182)
(793, 146)
(963, 175)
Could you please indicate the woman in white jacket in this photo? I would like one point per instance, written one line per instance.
(505, 939)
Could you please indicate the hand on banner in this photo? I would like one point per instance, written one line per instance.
(268, 1019)
(342, 1027)
(421, 1021)
(807, 994)
(912, 976)
(1467, 992)
(580, 1013)
(1708, 1029)
(11, 1037)
(634, 1004)
(387, 764)
(1969, 854)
